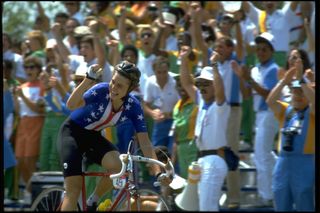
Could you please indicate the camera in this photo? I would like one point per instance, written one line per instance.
(289, 132)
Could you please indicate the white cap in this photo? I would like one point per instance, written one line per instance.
(169, 18)
(231, 6)
(265, 37)
(206, 73)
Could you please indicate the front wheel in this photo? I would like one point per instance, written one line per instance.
(49, 199)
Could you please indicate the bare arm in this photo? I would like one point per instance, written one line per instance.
(156, 44)
(217, 82)
(44, 17)
(122, 25)
(98, 47)
(238, 70)
(75, 100)
(309, 92)
(239, 46)
(275, 94)
(147, 149)
(63, 50)
(196, 35)
(185, 77)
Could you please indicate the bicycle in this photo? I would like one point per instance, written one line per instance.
(129, 197)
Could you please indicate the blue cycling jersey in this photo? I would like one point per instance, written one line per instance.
(97, 113)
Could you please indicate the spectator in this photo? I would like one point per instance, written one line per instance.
(293, 179)
(9, 159)
(160, 96)
(17, 60)
(70, 40)
(42, 21)
(29, 97)
(294, 55)
(56, 112)
(210, 130)
(36, 42)
(10, 127)
(262, 79)
(91, 50)
(73, 10)
(275, 21)
(62, 19)
(184, 117)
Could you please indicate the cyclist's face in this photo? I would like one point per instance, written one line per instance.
(119, 86)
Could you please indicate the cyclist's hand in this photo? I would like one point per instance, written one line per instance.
(164, 179)
(94, 72)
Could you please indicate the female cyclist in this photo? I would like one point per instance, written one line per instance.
(96, 106)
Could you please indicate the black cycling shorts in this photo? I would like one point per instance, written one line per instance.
(74, 140)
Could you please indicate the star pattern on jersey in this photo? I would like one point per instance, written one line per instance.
(123, 118)
(93, 114)
(88, 120)
(127, 107)
(101, 108)
(130, 100)
(107, 96)
(140, 117)
(94, 93)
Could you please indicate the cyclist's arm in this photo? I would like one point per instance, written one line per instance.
(147, 149)
(76, 100)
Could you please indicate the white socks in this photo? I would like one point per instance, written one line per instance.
(92, 199)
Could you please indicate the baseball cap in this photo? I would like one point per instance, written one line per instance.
(169, 18)
(82, 31)
(227, 16)
(265, 38)
(206, 73)
(231, 6)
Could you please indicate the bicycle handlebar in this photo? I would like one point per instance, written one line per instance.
(124, 158)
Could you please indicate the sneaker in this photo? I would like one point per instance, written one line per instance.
(27, 197)
(92, 208)
(264, 202)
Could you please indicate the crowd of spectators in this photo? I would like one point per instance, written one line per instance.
(265, 40)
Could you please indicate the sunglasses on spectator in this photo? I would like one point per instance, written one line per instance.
(146, 34)
(29, 66)
(263, 49)
(203, 84)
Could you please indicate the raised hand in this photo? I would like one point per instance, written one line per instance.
(289, 75)
(215, 57)
(185, 51)
(94, 72)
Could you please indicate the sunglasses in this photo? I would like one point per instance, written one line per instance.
(146, 34)
(29, 66)
(203, 84)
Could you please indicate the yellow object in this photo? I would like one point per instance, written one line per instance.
(108, 133)
(104, 205)
(262, 21)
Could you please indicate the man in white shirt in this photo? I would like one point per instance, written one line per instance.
(211, 127)
(160, 97)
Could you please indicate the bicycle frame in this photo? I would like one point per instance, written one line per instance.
(124, 191)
